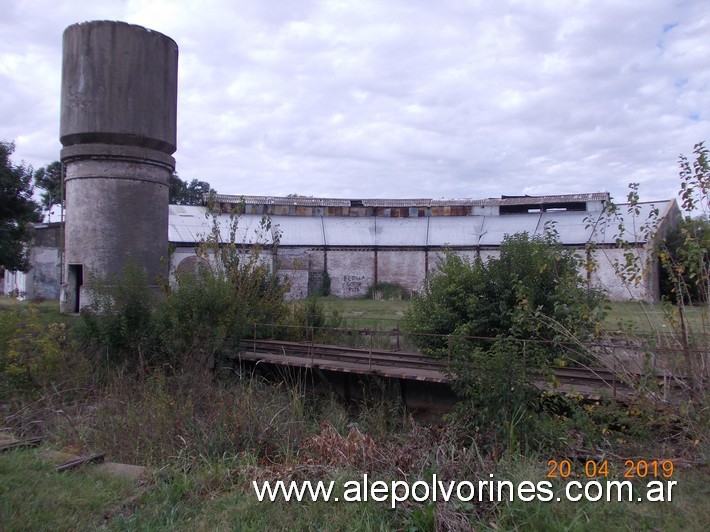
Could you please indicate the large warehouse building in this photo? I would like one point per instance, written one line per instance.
(361, 243)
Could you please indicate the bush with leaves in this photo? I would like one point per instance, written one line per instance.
(33, 356)
(688, 266)
(531, 291)
(684, 256)
(119, 320)
(688, 263)
(687, 243)
(202, 317)
(208, 312)
(497, 391)
(310, 314)
(325, 284)
(309, 322)
(497, 320)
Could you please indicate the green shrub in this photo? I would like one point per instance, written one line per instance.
(498, 393)
(200, 319)
(685, 259)
(325, 284)
(119, 320)
(532, 291)
(496, 321)
(388, 292)
(33, 355)
(309, 322)
(308, 319)
(207, 312)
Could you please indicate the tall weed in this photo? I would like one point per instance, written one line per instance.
(34, 357)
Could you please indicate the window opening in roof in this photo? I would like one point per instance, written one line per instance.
(536, 208)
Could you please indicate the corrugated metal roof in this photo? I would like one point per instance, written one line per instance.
(300, 230)
(396, 202)
(408, 232)
(534, 200)
(188, 224)
(455, 231)
(404, 202)
(496, 227)
(280, 200)
(346, 231)
(465, 202)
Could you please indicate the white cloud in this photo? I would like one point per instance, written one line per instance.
(409, 98)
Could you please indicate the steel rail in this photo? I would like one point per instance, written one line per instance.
(417, 366)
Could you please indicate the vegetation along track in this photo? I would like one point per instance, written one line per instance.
(416, 366)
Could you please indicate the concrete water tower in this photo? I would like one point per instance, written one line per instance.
(118, 132)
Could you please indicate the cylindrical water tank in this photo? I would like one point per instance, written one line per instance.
(119, 86)
(118, 129)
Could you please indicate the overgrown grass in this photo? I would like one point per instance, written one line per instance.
(216, 493)
(386, 314)
(47, 311)
(635, 316)
(34, 497)
(220, 497)
(630, 316)
(367, 313)
(207, 435)
(688, 509)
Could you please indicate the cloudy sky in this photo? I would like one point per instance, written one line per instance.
(399, 98)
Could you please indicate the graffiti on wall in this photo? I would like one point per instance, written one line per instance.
(353, 285)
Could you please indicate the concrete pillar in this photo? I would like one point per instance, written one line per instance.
(118, 129)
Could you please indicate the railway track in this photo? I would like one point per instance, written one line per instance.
(416, 366)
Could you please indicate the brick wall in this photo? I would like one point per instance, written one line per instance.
(405, 268)
(352, 272)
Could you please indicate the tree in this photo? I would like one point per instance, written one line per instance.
(692, 266)
(49, 178)
(182, 193)
(17, 211)
(686, 261)
(688, 265)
